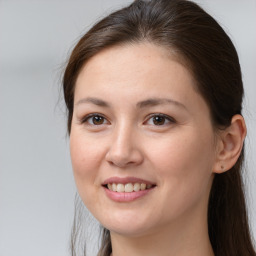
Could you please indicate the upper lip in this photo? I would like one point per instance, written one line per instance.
(125, 180)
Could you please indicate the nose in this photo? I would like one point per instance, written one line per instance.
(124, 148)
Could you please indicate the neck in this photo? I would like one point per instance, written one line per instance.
(181, 238)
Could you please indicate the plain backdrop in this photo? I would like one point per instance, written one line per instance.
(36, 183)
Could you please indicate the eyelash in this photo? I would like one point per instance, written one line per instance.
(86, 118)
(166, 117)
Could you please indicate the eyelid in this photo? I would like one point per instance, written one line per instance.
(87, 117)
(167, 117)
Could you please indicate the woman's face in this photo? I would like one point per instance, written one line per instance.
(139, 125)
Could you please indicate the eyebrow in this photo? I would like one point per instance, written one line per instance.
(158, 101)
(94, 101)
(142, 104)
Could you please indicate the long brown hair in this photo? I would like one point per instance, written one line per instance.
(203, 46)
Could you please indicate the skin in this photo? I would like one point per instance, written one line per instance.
(180, 155)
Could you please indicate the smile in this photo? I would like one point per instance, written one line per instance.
(128, 187)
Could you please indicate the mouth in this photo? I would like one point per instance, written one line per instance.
(124, 190)
(128, 187)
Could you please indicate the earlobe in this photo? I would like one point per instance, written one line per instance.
(230, 145)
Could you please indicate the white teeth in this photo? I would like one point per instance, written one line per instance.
(120, 187)
(143, 186)
(136, 187)
(129, 187)
(114, 187)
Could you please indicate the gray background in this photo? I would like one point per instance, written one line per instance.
(36, 183)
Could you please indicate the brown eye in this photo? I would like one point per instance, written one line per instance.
(98, 120)
(159, 120)
(95, 119)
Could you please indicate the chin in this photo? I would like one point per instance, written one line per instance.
(129, 231)
(130, 227)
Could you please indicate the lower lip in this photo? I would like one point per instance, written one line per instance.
(126, 197)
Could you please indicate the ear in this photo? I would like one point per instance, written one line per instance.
(230, 144)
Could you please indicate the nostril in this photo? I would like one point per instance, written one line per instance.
(124, 160)
(124, 153)
(120, 161)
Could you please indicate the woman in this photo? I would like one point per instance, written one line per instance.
(154, 98)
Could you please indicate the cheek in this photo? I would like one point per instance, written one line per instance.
(183, 165)
(183, 151)
(85, 157)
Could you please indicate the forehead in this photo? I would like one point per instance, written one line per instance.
(141, 60)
